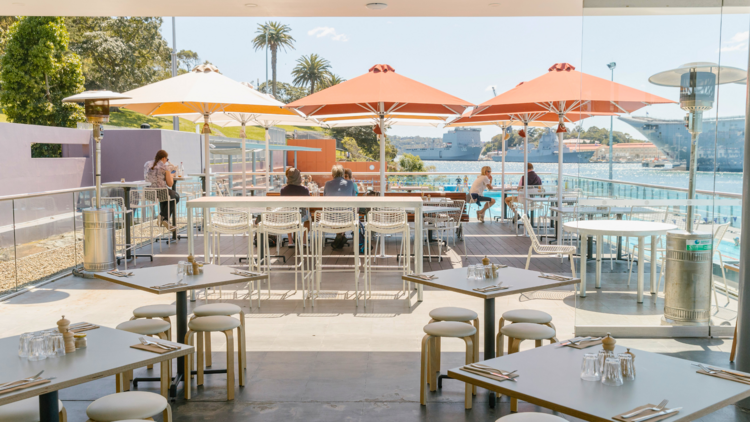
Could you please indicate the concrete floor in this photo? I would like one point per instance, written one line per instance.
(336, 362)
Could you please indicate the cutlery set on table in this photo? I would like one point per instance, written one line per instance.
(581, 342)
(648, 412)
(8, 387)
(556, 277)
(245, 273)
(491, 288)
(119, 273)
(723, 373)
(490, 372)
(423, 276)
(150, 345)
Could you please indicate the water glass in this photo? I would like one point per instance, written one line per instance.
(469, 273)
(487, 269)
(24, 345)
(612, 373)
(479, 272)
(589, 368)
(36, 349)
(600, 357)
(181, 269)
(49, 346)
(627, 366)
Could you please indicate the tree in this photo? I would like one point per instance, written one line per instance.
(186, 61)
(514, 141)
(355, 153)
(286, 93)
(273, 35)
(367, 141)
(38, 71)
(5, 24)
(331, 80)
(311, 70)
(411, 163)
(122, 53)
(601, 135)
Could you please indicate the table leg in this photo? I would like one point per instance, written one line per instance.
(590, 246)
(653, 265)
(418, 252)
(128, 223)
(489, 337)
(582, 263)
(182, 317)
(49, 410)
(641, 245)
(599, 241)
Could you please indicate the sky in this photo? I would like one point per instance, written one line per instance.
(465, 57)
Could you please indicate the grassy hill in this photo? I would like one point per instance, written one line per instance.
(128, 118)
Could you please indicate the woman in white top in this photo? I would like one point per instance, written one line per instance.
(159, 174)
(484, 181)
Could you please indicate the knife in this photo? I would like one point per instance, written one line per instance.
(492, 375)
(656, 415)
(737, 374)
(573, 340)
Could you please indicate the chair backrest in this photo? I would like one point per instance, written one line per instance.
(719, 233)
(336, 216)
(530, 230)
(387, 217)
(679, 219)
(161, 194)
(281, 217)
(230, 217)
(116, 203)
(142, 198)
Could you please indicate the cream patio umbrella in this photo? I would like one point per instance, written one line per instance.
(204, 91)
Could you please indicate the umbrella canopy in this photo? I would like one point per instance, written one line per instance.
(204, 91)
(378, 94)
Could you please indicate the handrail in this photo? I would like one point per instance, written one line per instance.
(646, 185)
(45, 193)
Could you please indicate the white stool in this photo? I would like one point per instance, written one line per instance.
(27, 411)
(334, 221)
(282, 221)
(222, 309)
(156, 311)
(530, 316)
(146, 327)
(436, 331)
(386, 221)
(450, 313)
(131, 405)
(531, 417)
(209, 324)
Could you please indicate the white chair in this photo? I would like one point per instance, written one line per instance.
(228, 221)
(382, 222)
(279, 222)
(529, 316)
(129, 405)
(161, 196)
(334, 221)
(448, 223)
(27, 410)
(143, 204)
(117, 205)
(547, 249)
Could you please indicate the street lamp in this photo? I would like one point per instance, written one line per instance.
(611, 67)
(697, 82)
(98, 223)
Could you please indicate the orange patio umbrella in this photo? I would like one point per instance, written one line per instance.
(378, 94)
(568, 95)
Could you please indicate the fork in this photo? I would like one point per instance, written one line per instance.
(713, 372)
(658, 408)
(153, 343)
(26, 379)
(8, 387)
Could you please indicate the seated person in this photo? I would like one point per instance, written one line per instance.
(294, 188)
(158, 173)
(339, 186)
(349, 176)
(534, 180)
(484, 181)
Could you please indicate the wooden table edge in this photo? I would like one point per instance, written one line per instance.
(48, 388)
(500, 293)
(122, 281)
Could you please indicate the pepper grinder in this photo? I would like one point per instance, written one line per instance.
(63, 326)
(194, 263)
(609, 343)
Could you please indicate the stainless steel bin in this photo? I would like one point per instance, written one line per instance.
(98, 239)
(687, 289)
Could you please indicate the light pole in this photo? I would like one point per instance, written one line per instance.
(611, 67)
(175, 119)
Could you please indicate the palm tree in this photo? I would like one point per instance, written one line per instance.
(311, 70)
(273, 35)
(331, 80)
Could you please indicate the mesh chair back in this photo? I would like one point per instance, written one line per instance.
(116, 203)
(142, 198)
(230, 219)
(336, 217)
(280, 219)
(719, 233)
(159, 194)
(387, 219)
(530, 231)
(679, 219)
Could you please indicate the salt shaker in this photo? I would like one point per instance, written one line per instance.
(63, 326)
(608, 343)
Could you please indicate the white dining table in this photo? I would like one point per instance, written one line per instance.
(601, 228)
(406, 202)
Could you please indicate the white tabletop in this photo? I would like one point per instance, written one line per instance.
(305, 201)
(408, 188)
(250, 187)
(630, 228)
(612, 210)
(428, 209)
(146, 278)
(543, 198)
(549, 376)
(118, 184)
(108, 352)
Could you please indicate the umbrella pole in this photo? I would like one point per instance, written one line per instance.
(268, 160)
(207, 157)
(382, 155)
(525, 169)
(244, 160)
(560, 159)
(502, 174)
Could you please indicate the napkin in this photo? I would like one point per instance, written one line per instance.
(644, 414)
(24, 386)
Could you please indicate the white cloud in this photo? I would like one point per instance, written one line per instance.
(738, 42)
(740, 36)
(324, 31)
(736, 47)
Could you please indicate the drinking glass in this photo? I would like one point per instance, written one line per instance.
(478, 272)
(470, 272)
(589, 369)
(59, 342)
(49, 347)
(36, 349)
(600, 357)
(487, 270)
(24, 344)
(627, 367)
(612, 373)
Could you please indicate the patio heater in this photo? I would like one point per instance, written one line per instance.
(98, 222)
(689, 266)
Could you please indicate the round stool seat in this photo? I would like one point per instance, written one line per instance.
(530, 417)
(213, 309)
(23, 410)
(155, 311)
(146, 327)
(127, 405)
(214, 323)
(528, 331)
(451, 313)
(450, 329)
(527, 315)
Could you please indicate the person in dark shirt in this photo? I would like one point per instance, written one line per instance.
(294, 188)
(534, 180)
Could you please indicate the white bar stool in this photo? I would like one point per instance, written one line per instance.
(282, 221)
(334, 221)
(436, 331)
(138, 405)
(222, 309)
(386, 221)
(531, 417)
(146, 327)
(530, 316)
(451, 313)
(163, 312)
(27, 411)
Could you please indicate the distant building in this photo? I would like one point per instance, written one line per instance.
(636, 151)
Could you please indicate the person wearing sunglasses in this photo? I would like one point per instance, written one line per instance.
(159, 174)
(484, 181)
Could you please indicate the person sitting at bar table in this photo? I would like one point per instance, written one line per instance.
(348, 175)
(294, 188)
(534, 180)
(158, 173)
(339, 186)
(484, 181)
